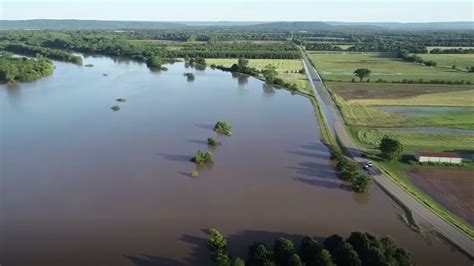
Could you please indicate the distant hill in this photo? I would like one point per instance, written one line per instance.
(50, 24)
(411, 26)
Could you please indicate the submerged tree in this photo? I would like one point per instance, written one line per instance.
(189, 76)
(222, 127)
(213, 142)
(202, 157)
(361, 183)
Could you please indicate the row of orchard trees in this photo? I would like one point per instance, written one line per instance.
(357, 250)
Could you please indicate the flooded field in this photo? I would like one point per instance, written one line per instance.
(453, 188)
(83, 185)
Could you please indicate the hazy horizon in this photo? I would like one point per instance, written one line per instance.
(374, 11)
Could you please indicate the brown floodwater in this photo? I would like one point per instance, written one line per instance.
(453, 188)
(83, 185)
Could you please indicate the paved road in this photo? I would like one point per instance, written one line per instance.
(421, 213)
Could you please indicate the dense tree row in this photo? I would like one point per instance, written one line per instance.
(349, 170)
(357, 250)
(390, 41)
(237, 49)
(31, 50)
(452, 51)
(22, 69)
(321, 46)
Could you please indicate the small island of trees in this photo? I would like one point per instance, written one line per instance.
(22, 69)
(213, 142)
(202, 157)
(189, 76)
(223, 127)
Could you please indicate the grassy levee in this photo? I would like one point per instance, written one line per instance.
(413, 140)
(396, 172)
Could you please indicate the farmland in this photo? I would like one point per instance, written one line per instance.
(461, 61)
(334, 66)
(433, 117)
(414, 140)
(451, 187)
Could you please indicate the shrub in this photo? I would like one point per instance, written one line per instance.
(189, 76)
(213, 142)
(223, 127)
(202, 157)
(361, 183)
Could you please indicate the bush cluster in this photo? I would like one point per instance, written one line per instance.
(349, 171)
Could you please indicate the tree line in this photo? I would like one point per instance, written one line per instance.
(53, 54)
(356, 250)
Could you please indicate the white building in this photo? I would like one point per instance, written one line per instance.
(438, 157)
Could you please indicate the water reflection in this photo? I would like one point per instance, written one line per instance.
(268, 89)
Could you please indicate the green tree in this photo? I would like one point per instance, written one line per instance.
(222, 127)
(217, 246)
(243, 63)
(350, 170)
(333, 243)
(282, 251)
(361, 183)
(213, 142)
(295, 260)
(391, 148)
(269, 73)
(403, 257)
(346, 255)
(238, 262)
(309, 251)
(324, 259)
(361, 73)
(258, 255)
(220, 258)
(202, 157)
(216, 241)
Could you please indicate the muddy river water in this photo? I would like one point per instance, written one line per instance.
(83, 185)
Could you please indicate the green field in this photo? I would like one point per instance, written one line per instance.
(461, 61)
(339, 66)
(405, 105)
(414, 141)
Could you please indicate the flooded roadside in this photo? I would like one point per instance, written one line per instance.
(82, 185)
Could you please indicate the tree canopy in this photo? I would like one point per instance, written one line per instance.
(359, 249)
(391, 148)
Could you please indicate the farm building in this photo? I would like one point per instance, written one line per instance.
(438, 157)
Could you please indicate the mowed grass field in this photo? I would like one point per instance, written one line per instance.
(461, 61)
(413, 140)
(287, 68)
(339, 66)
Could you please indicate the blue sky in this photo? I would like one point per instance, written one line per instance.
(241, 10)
